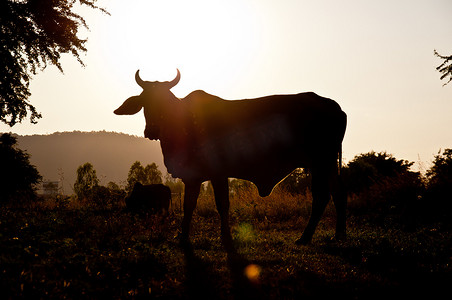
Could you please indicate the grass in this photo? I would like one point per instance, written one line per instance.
(70, 251)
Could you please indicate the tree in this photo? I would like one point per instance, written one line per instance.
(445, 67)
(439, 185)
(86, 181)
(145, 175)
(34, 33)
(441, 171)
(152, 174)
(18, 178)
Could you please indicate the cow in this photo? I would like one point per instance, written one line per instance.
(262, 140)
(153, 198)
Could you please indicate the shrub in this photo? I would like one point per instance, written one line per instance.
(380, 184)
(298, 182)
(366, 169)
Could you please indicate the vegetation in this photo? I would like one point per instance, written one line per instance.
(18, 178)
(65, 151)
(56, 249)
(50, 252)
(144, 175)
(86, 181)
(445, 67)
(34, 33)
(380, 185)
(438, 196)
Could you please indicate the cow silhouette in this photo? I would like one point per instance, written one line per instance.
(152, 198)
(204, 137)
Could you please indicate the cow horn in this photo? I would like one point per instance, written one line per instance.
(173, 82)
(139, 80)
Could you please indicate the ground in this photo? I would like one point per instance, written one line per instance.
(52, 251)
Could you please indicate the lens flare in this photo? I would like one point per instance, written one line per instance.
(252, 272)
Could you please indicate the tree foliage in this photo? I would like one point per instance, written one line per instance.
(34, 33)
(86, 181)
(446, 67)
(439, 185)
(18, 178)
(145, 175)
(441, 171)
(379, 184)
(369, 168)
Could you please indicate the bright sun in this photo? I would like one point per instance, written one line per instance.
(159, 36)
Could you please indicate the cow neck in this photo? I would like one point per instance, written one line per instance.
(175, 130)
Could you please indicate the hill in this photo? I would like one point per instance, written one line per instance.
(57, 156)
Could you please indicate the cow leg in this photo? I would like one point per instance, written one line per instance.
(340, 203)
(190, 200)
(320, 198)
(221, 192)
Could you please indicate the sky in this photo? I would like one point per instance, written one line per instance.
(375, 58)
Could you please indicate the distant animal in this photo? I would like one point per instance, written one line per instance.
(153, 198)
(204, 137)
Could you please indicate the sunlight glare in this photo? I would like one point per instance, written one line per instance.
(212, 42)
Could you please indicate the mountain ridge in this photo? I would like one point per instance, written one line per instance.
(58, 155)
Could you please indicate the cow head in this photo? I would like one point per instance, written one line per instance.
(155, 98)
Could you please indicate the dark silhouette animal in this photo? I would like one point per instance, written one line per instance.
(204, 137)
(153, 198)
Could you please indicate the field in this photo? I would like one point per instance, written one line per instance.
(55, 249)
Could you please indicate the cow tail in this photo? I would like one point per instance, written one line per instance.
(344, 126)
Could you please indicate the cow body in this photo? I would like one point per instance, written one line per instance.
(153, 198)
(261, 140)
(204, 137)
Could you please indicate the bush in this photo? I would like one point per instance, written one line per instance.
(298, 182)
(365, 170)
(379, 184)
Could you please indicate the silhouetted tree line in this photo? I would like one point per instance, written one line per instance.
(377, 183)
(88, 190)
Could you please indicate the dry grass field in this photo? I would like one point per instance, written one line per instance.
(63, 249)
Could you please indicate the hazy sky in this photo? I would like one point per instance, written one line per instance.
(375, 58)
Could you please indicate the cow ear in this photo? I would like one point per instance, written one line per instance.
(131, 106)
